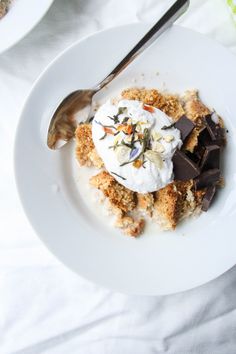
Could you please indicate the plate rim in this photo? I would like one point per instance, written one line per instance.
(49, 65)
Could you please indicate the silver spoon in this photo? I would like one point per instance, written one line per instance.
(63, 124)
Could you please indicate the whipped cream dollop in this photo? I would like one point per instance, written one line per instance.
(136, 150)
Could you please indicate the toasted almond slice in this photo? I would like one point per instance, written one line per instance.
(122, 153)
(156, 136)
(158, 147)
(154, 157)
(169, 138)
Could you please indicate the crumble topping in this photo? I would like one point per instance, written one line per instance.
(119, 196)
(169, 104)
(146, 203)
(130, 226)
(86, 153)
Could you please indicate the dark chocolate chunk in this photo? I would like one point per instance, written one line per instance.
(204, 137)
(184, 168)
(185, 126)
(193, 156)
(215, 130)
(208, 197)
(210, 158)
(219, 142)
(198, 153)
(207, 178)
(211, 126)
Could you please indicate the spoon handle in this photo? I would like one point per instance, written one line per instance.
(171, 15)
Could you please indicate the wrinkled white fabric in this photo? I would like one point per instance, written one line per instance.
(44, 307)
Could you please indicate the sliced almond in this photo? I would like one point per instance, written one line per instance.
(158, 147)
(122, 153)
(154, 157)
(138, 128)
(156, 136)
(129, 138)
(169, 138)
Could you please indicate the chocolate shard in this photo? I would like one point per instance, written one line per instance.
(198, 153)
(204, 137)
(192, 156)
(210, 158)
(207, 178)
(184, 168)
(185, 126)
(216, 132)
(208, 198)
(210, 125)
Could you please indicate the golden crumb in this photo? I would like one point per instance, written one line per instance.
(145, 202)
(86, 153)
(170, 104)
(119, 196)
(199, 196)
(174, 202)
(151, 97)
(192, 141)
(115, 210)
(130, 226)
(192, 201)
(194, 108)
(84, 143)
(173, 107)
(196, 111)
(168, 205)
(95, 159)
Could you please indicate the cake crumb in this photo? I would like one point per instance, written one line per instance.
(119, 196)
(86, 153)
(145, 203)
(175, 202)
(130, 226)
(169, 104)
(84, 144)
(196, 111)
(95, 159)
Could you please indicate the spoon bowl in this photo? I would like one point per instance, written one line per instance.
(63, 123)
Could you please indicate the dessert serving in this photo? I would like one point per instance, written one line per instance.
(158, 156)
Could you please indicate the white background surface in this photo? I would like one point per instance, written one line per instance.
(44, 307)
(23, 16)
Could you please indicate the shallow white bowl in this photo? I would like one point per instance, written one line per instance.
(22, 17)
(55, 192)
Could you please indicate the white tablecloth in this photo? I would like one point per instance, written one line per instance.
(44, 307)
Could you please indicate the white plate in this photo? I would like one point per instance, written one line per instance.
(23, 15)
(54, 190)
